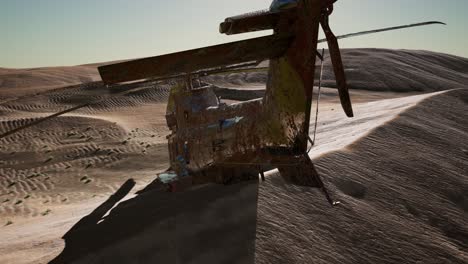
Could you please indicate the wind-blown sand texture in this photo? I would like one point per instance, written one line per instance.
(399, 168)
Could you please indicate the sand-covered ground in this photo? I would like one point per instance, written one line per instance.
(399, 168)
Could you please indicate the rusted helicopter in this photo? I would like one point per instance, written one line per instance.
(211, 141)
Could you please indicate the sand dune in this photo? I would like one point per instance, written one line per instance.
(399, 168)
(21, 82)
(379, 70)
(423, 71)
(403, 193)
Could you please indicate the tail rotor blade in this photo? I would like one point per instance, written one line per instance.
(337, 67)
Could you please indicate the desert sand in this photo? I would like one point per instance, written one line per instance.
(78, 188)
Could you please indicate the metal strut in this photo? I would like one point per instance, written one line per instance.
(312, 141)
(317, 178)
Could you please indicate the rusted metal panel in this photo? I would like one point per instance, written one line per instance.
(213, 133)
(288, 97)
(192, 60)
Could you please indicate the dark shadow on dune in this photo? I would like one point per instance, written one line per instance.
(210, 224)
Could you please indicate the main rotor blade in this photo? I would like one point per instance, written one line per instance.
(383, 30)
(189, 61)
(338, 68)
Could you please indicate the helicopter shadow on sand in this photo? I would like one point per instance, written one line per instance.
(210, 224)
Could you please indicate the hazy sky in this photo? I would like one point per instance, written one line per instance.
(69, 32)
